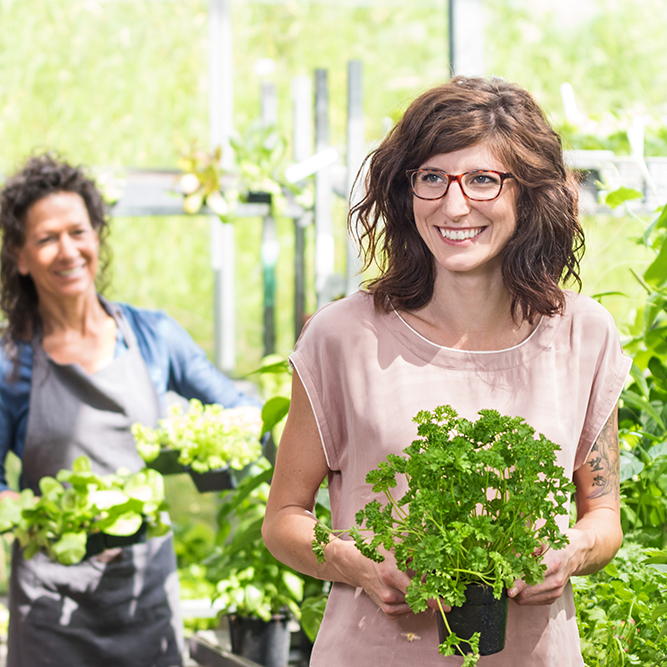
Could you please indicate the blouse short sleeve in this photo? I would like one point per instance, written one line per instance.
(595, 332)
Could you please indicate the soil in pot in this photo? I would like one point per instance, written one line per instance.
(213, 480)
(259, 197)
(264, 642)
(482, 613)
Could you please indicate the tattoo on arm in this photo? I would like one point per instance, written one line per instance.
(604, 461)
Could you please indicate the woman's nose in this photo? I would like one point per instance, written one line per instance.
(454, 203)
(66, 246)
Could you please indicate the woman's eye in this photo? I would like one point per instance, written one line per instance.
(431, 177)
(485, 178)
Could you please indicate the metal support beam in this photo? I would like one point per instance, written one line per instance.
(221, 115)
(302, 141)
(222, 263)
(466, 37)
(355, 155)
(324, 238)
(270, 248)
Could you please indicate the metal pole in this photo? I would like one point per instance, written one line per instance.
(324, 239)
(302, 95)
(466, 37)
(221, 127)
(270, 247)
(355, 157)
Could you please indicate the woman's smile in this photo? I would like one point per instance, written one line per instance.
(457, 235)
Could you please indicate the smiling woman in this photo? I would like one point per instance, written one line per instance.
(76, 372)
(471, 217)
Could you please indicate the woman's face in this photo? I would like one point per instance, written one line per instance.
(467, 236)
(61, 247)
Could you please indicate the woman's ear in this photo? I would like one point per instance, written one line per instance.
(21, 264)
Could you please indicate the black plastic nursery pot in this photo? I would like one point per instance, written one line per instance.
(259, 197)
(99, 542)
(166, 462)
(264, 642)
(482, 613)
(220, 479)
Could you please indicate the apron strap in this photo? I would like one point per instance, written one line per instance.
(113, 310)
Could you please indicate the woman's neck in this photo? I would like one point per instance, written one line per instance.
(469, 312)
(80, 315)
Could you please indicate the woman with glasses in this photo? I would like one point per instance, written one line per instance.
(471, 220)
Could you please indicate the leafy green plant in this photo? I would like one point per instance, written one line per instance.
(481, 502)
(207, 437)
(621, 610)
(261, 158)
(643, 409)
(78, 503)
(249, 581)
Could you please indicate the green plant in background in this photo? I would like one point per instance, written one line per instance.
(275, 384)
(482, 500)
(643, 410)
(260, 157)
(201, 183)
(621, 610)
(248, 580)
(207, 437)
(61, 519)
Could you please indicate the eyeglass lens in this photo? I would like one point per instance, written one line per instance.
(479, 185)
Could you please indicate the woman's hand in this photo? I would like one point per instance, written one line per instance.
(385, 584)
(597, 535)
(561, 565)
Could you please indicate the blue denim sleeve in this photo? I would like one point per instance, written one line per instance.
(14, 405)
(176, 363)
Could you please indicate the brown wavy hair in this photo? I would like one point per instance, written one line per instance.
(42, 175)
(548, 242)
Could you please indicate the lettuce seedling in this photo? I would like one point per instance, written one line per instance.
(207, 437)
(78, 503)
(481, 503)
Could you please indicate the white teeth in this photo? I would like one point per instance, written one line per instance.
(460, 234)
(69, 272)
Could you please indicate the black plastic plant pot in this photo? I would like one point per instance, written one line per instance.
(166, 462)
(220, 479)
(99, 542)
(259, 197)
(482, 613)
(264, 642)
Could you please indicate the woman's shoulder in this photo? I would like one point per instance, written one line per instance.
(15, 369)
(143, 317)
(345, 316)
(588, 322)
(582, 308)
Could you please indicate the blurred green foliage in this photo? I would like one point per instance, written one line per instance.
(125, 82)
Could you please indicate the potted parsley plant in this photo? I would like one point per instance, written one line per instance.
(481, 503)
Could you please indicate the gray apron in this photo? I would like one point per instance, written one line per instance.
(121, 614)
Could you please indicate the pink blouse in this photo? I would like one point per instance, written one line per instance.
(367, 375)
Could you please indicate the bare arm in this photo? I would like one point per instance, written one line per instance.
(288, 524)
(597, 535)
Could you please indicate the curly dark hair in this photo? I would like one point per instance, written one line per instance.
(41, 176)
(548, 242)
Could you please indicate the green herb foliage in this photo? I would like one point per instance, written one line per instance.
(482, 499)
(79, 502)
(621, 610)
(207, 436)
